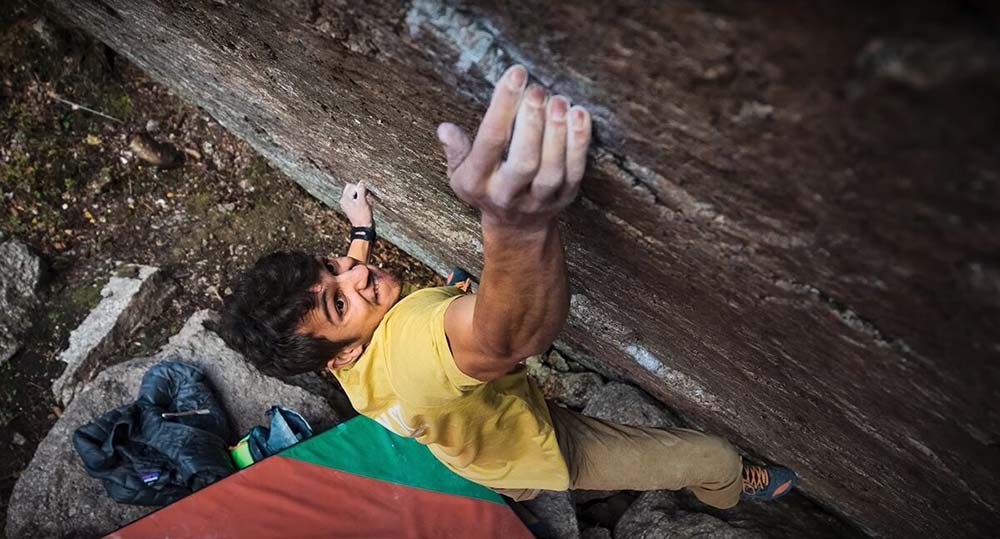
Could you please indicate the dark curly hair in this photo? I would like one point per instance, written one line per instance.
(261, 317)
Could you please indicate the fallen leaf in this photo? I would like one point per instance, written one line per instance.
(159, 154)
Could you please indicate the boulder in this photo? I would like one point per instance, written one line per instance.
(54, 497)
(556, 515)
(132, 296)
(742, 268)
(655, 516)
(557, 361)
(791, 517)
(596, 532)
(628, 405)
(324, 385)
(570, 388)
(20, 273)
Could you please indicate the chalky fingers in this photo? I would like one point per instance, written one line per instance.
(494, 131)
(525, 152)
(552, 171)
(578, 142)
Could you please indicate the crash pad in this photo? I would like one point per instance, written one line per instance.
(355, 480)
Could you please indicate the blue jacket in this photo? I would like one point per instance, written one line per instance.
(146, 459)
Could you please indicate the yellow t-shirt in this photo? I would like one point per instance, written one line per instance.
(498, 434)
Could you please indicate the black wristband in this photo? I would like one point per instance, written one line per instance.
(366, 233)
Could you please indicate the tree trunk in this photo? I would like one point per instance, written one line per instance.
(790, 243)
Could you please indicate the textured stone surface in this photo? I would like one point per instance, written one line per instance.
(54, 497)
(20, 273)
(133, 295)
(574, 389)
(655, 516)
(791, 517)
(785, 267)
(556, 515)
(596, 533)
(628, 405)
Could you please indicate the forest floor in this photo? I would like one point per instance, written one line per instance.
(74, 191)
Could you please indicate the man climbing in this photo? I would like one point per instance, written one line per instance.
(445, 367)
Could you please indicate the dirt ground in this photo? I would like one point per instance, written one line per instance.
(75, 192)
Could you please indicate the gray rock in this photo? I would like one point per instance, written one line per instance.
(650, 512)
(655, 516)
(556, 360)
(570, 388)
(556, 514)
(627, 405)
(54, 497)
(20, 273)
(596, 533)
(791, 517)
(327, 387)
(132, 296)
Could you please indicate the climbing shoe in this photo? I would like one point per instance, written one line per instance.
(460, 279)
(766, 483)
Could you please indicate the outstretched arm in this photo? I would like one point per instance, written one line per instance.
(354, 202)
(523, 298)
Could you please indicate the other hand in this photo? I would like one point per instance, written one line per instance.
(354, 202)
(546, 143)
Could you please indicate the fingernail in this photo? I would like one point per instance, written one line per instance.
(516, 77)
(536, 95)
(578, 118)
(559, 107)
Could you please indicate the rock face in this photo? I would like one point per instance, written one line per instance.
(573, 389)
(20, 273)
(621, 403)
(596, 533)
(782, 265)
(54, 497)
(556, 515)
(133, 295)
(655, 516)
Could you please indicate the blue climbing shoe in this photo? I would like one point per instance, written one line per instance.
(766, 483)
(460, 279)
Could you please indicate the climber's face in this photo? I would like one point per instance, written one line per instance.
(351, 300)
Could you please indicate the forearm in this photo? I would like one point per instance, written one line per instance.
(523, 296)
(359, 250)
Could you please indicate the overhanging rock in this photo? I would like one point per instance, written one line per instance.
(771, 259)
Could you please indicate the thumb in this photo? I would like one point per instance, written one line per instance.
(456, 144)
(347, 193)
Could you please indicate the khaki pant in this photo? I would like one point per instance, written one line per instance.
(605, 456)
